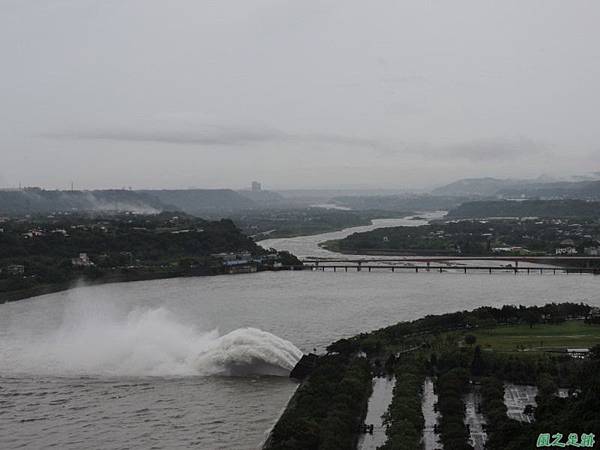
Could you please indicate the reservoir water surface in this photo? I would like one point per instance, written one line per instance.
(156, 364)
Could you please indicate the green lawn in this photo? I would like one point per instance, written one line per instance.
(570, 334)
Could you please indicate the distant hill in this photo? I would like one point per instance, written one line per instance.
(479, 187)
(585, 190)
(526, 208)
(203, 201)
(35, 201)
(209, 202)
(399, 202)
(541, 188)
(264, 198)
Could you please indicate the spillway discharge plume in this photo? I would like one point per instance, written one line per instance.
(151, 342)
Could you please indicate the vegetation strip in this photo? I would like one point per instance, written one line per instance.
(328, 408)
(404, 418)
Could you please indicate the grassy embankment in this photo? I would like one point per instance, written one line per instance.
(541, 337)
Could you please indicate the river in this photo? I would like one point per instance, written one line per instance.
(150, 364)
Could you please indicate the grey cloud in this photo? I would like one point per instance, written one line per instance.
(497, 149)
(482, 150)
(408, 90)
(475, 151)
(217, 136)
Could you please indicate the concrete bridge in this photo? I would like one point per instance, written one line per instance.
(554, 260)
(466, 269)
(559, 264)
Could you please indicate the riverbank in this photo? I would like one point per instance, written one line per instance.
(363, 220)
(309, 245)
(334, 246)
(126, 277)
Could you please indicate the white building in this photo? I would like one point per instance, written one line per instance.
(82, 261)
(566, 251)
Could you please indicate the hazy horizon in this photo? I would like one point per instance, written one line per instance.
(316, 94)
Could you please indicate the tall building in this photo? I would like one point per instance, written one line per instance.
(256, 186)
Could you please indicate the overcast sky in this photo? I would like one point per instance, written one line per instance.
(302, 93)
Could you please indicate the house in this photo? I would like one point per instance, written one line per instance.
(15, 270)
(82, 261)
(566, 251)
(33, 233)
(578, 353)
(241, 262)
(594, 314)
(513, 249)
(234, 259)
(592, 251)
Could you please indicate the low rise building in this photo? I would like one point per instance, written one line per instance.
(82, 261)
(566, 251)
(241, 262)
(15, 270)
(234, 259)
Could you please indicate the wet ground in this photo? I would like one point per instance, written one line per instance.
(431, 439)
(378, 404)
(516, 398)
(475, 419)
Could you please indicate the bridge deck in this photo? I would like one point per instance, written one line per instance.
(462, 269)
(557, 259)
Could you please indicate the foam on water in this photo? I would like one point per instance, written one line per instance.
(94, 339)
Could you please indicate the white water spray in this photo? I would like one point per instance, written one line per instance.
(95, 340)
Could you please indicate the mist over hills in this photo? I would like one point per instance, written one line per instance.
(422, 202)
(526, 208)
(192, 201)
(264, 198)
(582, 190)
(542, 188)
(224, 202)
(202, 201)
(35, 201)
(479, 187)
